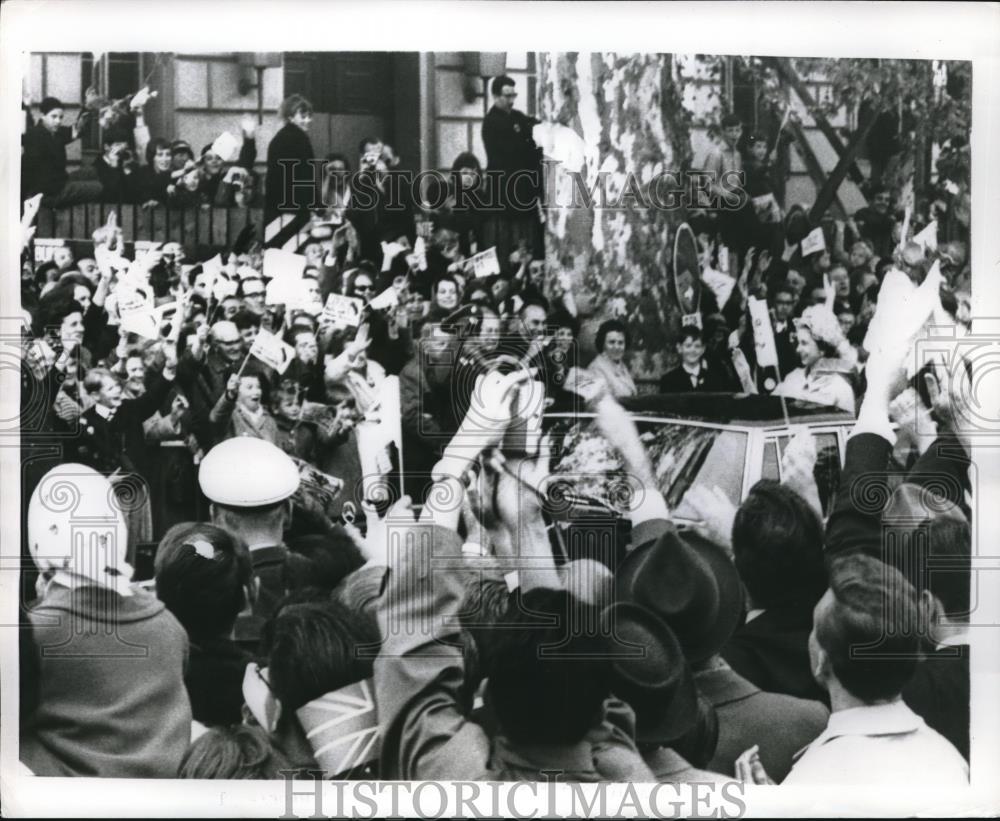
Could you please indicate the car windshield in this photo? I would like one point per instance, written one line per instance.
(682, 456)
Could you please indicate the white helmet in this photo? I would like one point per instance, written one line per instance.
(76, 526)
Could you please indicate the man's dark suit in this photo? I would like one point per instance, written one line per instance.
(203, 382)
(109, 444)
(43, 161)
(780, 724)
(939, 693)
(784, 343)
(510, 147)
(772, 651)
(711, 379)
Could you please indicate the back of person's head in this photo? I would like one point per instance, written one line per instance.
(242, 751)
(203, 575)
(562, 318)
(244, 319)
(868, 626)
(315, 648)
(337, 156)
(547, 668)
(778, 547)
(118, 133)
(483, 605)
(47, 272)
(71, 279)
(259, 517)
(321, 560)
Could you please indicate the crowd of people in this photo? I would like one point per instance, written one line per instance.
(782, 645)
(131, 166)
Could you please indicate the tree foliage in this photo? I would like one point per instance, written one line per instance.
(929, 106)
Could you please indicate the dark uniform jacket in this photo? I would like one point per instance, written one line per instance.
(510, 147)
(43, 163)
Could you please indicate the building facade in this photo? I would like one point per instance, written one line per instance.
(429, 106)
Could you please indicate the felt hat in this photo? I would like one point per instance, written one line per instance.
(689, 582)
(650, 673)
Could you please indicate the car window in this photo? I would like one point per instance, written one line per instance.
(681, 456)
(770, 470)
(827, 470)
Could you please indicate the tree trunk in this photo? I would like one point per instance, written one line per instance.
(627, 110)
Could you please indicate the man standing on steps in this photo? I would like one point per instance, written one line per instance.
(511, 151)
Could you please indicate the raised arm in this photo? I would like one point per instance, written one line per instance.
(855, 521)
(420, 673)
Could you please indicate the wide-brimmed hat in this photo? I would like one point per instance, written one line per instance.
(689, 582)
(650, 673)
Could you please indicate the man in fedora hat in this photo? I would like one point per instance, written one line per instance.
(672, 724)
(692, 584)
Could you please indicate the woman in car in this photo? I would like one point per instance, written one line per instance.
(828, 361)
(609, 364)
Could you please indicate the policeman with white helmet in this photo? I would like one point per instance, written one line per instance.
(250, 483)
(110, 694)
(76, 530)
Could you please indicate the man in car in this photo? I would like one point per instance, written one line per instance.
(694, 373)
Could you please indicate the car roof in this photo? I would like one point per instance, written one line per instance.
(726, 409)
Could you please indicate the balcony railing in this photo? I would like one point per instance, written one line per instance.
(194, 227)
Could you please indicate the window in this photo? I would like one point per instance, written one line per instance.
(122, 70)
(115, 75)
(342, 82)
(827, 470)
(770, 469)
(681, 455)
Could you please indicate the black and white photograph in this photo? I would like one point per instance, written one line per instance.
(604, 426)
